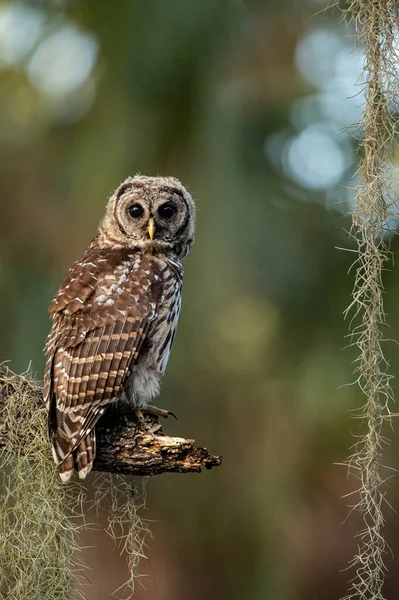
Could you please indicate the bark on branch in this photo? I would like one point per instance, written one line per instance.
(124, 445)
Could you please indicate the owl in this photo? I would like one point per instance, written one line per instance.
(115, 315)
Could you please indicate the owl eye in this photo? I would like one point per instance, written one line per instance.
(166, 211)
(136, 211)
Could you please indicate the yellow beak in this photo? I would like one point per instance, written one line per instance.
(151, 228)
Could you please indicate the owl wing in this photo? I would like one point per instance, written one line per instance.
(101, 318)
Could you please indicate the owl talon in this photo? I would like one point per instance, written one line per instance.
(153, 410)
(140, 415)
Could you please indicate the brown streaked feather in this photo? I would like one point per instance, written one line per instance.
(84, 456)
(92, 347)
(90, 446)
(119, 368)
(86, 412)
(91, 421)
(66, 468)
(93, 340)
(80, 281)
(81, 455)
(81, 354)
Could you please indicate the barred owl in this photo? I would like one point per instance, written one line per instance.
(115, 315)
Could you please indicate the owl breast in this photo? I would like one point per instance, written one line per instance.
(144, 381)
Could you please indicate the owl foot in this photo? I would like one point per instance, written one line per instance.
(153, 410)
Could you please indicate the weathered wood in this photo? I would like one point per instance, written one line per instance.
(124, 445)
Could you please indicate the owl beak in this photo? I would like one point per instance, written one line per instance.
(151, 228)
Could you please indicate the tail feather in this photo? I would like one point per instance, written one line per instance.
(66, 469)
(81, 459)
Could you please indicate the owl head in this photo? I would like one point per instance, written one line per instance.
(153, 214)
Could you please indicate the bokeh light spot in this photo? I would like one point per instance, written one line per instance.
(315, 56)
(63, 61)
(314, 159)
(20, 29)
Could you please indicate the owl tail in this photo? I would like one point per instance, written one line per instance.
(81, 459)
(84, 454)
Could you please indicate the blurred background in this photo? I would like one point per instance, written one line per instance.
(248, 103)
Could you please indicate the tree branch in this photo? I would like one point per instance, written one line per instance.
(124, 445)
